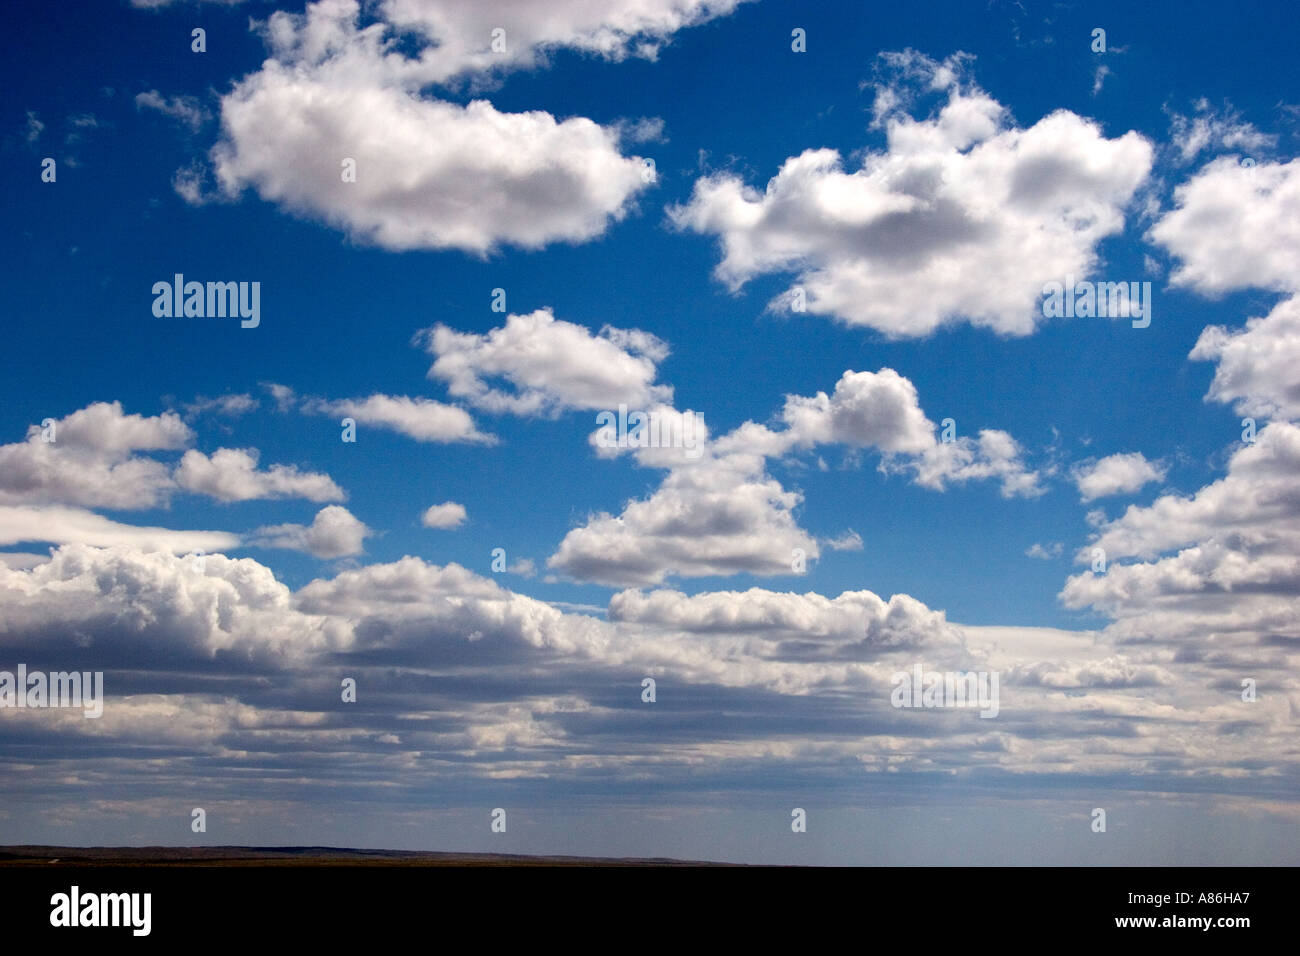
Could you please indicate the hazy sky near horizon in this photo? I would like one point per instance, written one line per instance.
(818, 238)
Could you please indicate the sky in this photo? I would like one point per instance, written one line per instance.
(817, 243)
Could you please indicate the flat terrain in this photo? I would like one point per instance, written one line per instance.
(314, 856)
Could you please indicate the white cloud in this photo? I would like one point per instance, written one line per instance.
(1218, 580)
(1259, 366)
(466, 681)
(334, 533)
(1235, 227)
(1218, 130)
(429, 174)
(1258, 497)
(963, 217)
(90, 460)
(282, 394)
(230, 404)
(1116, 475)
(614, 29)
(432, 174)
(549, 365)
(102, 427)
(447, 515)
(1045, 552)
(183, 109)
(420, 418)
(881, 410)
(867, 409)
(57, 524)
(718, 517)
(722, 514)
(848, 541)
(231, 474)
(153, 610)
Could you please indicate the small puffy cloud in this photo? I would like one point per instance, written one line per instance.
(231, 474)
(867, 409)
(963, 217)
(720, 517)
(545, 365)
(447, 515)
(1116, 475)
(1235, 227)
(1259, 366)
(848, 541)
(334, 533)
(102, 427)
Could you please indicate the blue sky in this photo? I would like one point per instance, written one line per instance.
(970, 154)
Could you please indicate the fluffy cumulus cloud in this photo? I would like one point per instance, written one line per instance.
(963, 217)
(333, 533)
(462, 33)
(429, 174)
(121, 608)
(718, 512)
(1217, 575)
(334, 125)
(1259, 366)
(447, 515)
(423, 419)
(465, 682)
(1235, 226)
(536, 364)
(1257, 498)
(721, 517)
(881, 411)
(1116, 475)
(88, 458)
(231, 474)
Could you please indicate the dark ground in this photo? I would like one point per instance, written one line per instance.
(314, 856)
